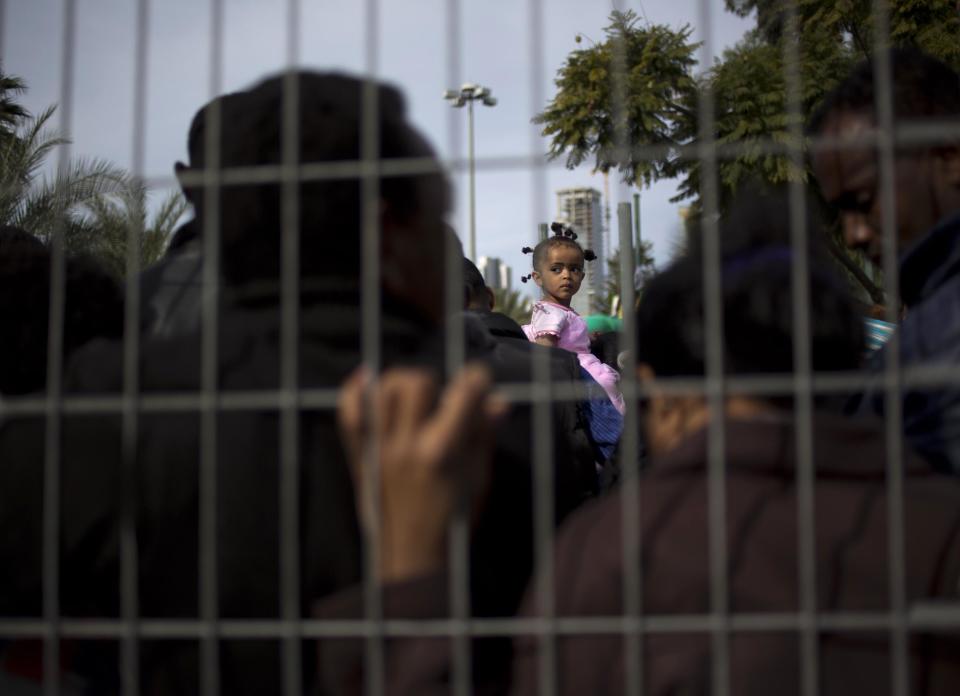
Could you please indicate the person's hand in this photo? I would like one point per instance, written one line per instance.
(431, 450)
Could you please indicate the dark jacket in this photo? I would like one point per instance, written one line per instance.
(573, 415)
(930, 337)
(246, 448)
(501, 326)
(171, 293)
(850, 516)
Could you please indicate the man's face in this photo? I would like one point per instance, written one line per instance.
(850, 180)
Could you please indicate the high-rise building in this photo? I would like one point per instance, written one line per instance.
(506, 277)
(496, 274)
(581, 209)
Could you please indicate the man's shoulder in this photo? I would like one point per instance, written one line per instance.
(501, 325)
(931, 329)
(167, 364)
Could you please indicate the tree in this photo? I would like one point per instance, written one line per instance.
(112, 217)
(92, 201)
(513, 304)
(658, 104)
(40, 204)
(661, 92)
(647, 267)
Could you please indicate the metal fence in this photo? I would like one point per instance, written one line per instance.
(208, 628)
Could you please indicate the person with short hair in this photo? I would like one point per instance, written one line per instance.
(243, 408)
(480, 300)
(925, 94)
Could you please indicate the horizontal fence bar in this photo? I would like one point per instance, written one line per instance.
(912, 135)
(922, 617)
(519, 393)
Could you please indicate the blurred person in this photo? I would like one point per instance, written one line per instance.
(248, 431)
(93, 308)
(171, 290)
(926, 182)
(480, 300)
(606, 346)
(436, 452)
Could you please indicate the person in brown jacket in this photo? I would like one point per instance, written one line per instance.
(850, 590)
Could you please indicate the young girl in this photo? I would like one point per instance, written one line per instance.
(558, 269)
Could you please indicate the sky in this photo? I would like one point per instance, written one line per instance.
(493, 45)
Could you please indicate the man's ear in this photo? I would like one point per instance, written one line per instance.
(179, 169)
(492, 297)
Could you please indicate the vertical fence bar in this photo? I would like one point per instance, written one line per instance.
(289, 500)
(371, 339)
(130, 672)
(713, 320)
(452, 52)
(3, 28)
(629, 462)
(883, 79)
(803, 384)
(455, 349)
(459, 538)
(629, 443)
(210, 298)
(542, 395)
(53, 414)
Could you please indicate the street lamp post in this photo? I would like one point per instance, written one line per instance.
(465, 96)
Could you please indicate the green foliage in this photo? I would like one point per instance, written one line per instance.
(91, 201)
(42, 204)
(112, 218)
(11, 111)
(657, 97)
(933, 25)
(661, 94)
(512, 303)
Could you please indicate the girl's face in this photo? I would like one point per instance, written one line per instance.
(560, 274)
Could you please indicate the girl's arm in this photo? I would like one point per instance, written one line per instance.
(547, 340)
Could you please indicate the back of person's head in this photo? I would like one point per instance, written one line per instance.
(757, 265)
(328, 128)
(922, 88)
(93, 308)
(477, 295)
(606, 346)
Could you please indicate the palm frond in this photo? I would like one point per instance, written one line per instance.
(171, 210)
(56, 200)
(25, 153)
(11, 111)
